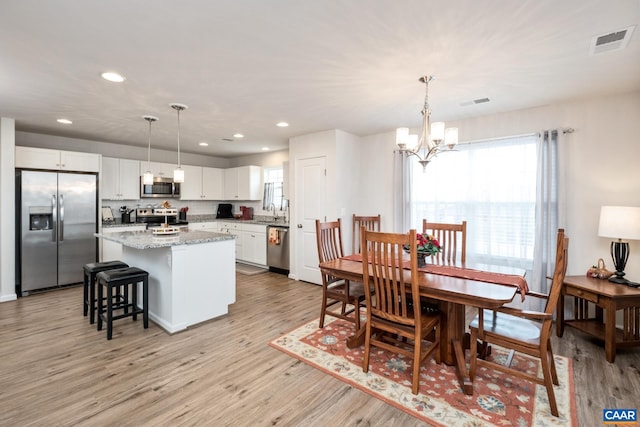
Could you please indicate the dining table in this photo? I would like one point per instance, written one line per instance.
(454, 286)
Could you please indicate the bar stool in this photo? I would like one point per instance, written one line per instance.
(90, 272)
(112, 279)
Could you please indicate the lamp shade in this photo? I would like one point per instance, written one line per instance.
(147, 178)
(437, 131)
(619, 222)
(401, 136)
(178, 175)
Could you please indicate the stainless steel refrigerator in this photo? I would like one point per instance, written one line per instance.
(55, 228)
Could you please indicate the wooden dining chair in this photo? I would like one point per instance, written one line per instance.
(371, 223)
(523, 331)
(390, 318)
(334, 290)
(452, 238)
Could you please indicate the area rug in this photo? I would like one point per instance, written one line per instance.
(498, 399)
(249, 270)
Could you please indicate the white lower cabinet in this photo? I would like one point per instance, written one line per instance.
(251, 241)
(204, 226)
(112, 251)
(254, 243)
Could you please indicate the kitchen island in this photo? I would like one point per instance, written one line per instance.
(191, 274)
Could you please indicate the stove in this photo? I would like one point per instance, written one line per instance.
(154, 217)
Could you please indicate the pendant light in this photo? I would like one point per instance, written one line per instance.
(147, 178)
(178, 173)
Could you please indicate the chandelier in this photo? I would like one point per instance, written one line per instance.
(434, 139)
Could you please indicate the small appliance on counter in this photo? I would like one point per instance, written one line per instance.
(182, 215)
(155, 217)
(107, 215)
(225, 210)
(247, 212)
(126, 214)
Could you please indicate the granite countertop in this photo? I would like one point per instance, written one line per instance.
(147, 240)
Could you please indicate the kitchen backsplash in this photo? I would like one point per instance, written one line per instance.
(196, 207)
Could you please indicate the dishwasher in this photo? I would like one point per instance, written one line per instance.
(278, 248)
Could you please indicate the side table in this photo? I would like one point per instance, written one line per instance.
(607, 298)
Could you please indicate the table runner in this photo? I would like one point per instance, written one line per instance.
(466, 273)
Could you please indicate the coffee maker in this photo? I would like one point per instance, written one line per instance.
(247, 212)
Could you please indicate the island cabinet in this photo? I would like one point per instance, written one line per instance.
(120, 179)
(112, 251)
(192, 275)
(243, 183)
(202, 183)
(44, 158)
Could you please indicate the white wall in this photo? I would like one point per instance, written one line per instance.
(7, 210)
(600, 165)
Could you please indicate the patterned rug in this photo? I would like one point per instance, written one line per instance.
(498, 399)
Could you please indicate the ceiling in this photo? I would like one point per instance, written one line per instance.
(243, 65)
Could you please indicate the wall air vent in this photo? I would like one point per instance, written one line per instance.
(475, 101)
(611, 42)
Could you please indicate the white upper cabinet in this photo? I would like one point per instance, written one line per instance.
(213, 183)
(120, 179)
(44, 158)
(191, 188)
(202, 183)
(243, 183)
(162, 170)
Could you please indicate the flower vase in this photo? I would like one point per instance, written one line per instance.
(422, 259)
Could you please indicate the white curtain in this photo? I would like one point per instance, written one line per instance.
(401, 192)
(491, 185)
(547, 211)
(507, 191)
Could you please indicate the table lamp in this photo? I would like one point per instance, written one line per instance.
(620, 222)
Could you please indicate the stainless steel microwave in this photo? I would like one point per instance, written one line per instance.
(161, 187)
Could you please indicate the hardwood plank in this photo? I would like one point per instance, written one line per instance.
(56, 369)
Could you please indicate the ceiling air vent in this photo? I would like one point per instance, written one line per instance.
(227, 139)
(611, 42)
(473, 102)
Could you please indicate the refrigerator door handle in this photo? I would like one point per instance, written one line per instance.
(54, 226)
(61, 218)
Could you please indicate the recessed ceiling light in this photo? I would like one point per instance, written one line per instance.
(265, 148)
(203, 144)
(112, 77)
(238, 135)
(64, 121)
(282, 124)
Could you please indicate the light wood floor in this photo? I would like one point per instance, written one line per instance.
(55, 369)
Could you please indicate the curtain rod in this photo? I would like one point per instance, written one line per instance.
(564, 132)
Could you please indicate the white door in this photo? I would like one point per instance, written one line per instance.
(311, 183)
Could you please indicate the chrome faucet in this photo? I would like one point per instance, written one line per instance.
(273, 206)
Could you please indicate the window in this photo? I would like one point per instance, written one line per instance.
(273, 179)
(491, 185)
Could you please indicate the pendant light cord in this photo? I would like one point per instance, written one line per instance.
(178, 136)
(149, 149)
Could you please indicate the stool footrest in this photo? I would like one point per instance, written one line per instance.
(125, 282)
